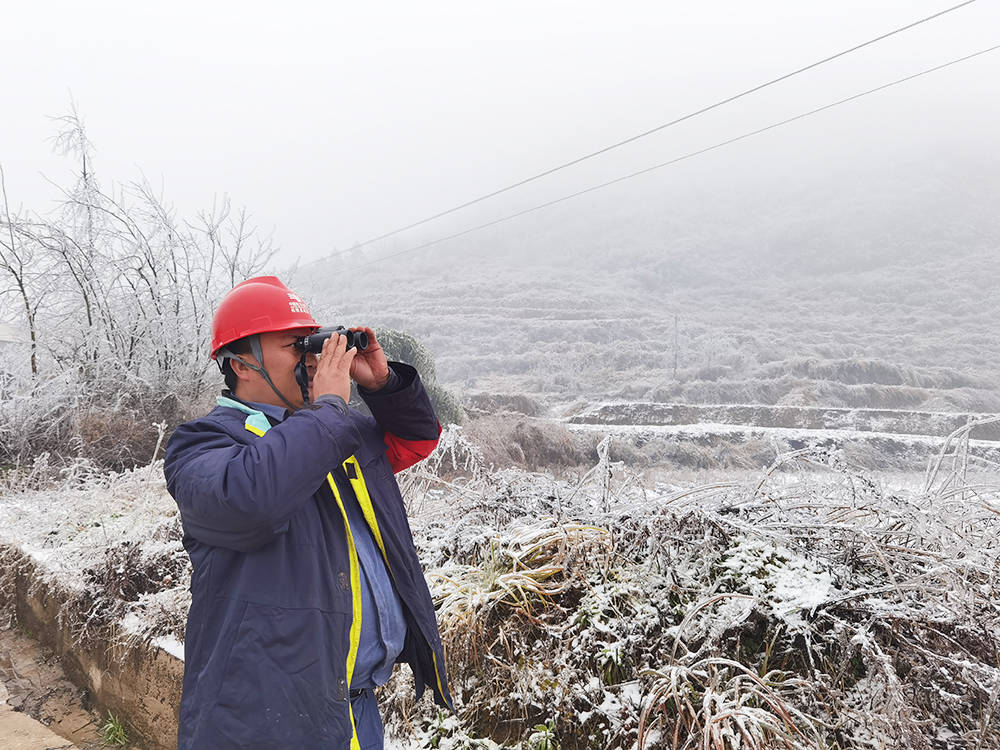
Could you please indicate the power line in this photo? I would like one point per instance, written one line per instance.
(646, 133)
(685, 157)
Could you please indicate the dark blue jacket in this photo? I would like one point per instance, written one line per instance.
(275, 587)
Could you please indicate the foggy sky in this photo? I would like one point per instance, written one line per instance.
(334, 124)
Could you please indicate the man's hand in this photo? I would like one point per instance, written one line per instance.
(370, 369)
(333, 372)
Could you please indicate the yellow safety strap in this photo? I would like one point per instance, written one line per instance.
(352, 554)
(352, 651)
(437, 675)
(357, 479)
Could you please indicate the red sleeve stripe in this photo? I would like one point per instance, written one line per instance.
(402, 454)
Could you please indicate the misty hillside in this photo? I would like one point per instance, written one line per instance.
(865, 287)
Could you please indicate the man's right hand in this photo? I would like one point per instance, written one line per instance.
(333, 372)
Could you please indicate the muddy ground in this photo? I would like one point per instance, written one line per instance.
(32, 681)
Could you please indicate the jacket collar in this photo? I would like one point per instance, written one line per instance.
(257, 414)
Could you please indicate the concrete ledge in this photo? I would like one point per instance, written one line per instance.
(20, 732)
(140, 685)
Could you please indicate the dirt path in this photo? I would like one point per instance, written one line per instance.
(39, 708)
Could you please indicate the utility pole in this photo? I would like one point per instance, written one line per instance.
(675, 346)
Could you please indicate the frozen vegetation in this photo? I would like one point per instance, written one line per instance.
(810, 605)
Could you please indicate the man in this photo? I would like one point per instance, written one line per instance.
(306, 586)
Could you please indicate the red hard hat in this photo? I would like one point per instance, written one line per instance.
(258, 305)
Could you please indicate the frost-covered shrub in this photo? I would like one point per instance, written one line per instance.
(401, 346)
(114, 295)
(112, 431)
(534, 444)
(802, 610)
(491, 403)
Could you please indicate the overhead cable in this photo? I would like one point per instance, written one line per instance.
(685, 157)
(651, 131)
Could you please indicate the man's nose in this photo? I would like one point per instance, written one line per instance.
(311, 361)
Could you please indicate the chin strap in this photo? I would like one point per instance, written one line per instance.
(302, 378)
(223, 354)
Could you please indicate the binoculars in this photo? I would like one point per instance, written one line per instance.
(314, 342)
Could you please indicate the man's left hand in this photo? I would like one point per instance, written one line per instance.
(370, 369)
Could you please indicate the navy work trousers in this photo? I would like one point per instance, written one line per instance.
(367, 720)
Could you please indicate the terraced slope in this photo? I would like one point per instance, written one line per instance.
(935, 424)
(920, 337)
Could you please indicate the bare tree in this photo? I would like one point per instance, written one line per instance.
(17, 260)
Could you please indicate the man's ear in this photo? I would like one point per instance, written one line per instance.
(243, 373)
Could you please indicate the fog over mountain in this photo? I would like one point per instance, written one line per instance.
(854, 285)
(844, 258)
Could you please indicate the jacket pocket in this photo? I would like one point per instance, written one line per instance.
(282, 685)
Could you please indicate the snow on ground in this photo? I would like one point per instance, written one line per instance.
(716, 429)
(576, 610)
(112, 536)
(66, 524)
